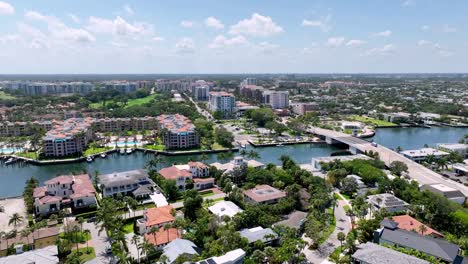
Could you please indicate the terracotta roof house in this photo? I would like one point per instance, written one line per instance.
(162, 237)
(196, 171)
(75, 191)
(263, 194)
(158, 216)
(407, 222)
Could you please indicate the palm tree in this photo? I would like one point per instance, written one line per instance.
(145, 247)
(25, 233)
(76, 230)
(253, 154)
(166, 228)
(163, 259)
(153, 231)
(87, 231)
(422, 229)
(15, 219)
(135, 240)
(243, 153)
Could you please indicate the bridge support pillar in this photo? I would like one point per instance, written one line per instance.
(331, 141)
(354, 150)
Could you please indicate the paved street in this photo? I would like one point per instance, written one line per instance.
(134, 252)
(343, 224)
(99, 243)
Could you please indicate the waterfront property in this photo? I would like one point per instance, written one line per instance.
(446, 191)
(263, 194)
(75, 191)
(222, 102)
(182, 174)
(155, 217)
(390, 234)
(387, 201)
(40, 238)
(419, 155)
(318, 161)
(237, 162)
(232, 257)
(136, 183)
(69, 137)
(370, 253)
(178, 132)
(461, 149)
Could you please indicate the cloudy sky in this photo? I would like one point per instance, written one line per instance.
(238, 36)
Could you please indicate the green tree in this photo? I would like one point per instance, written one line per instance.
(192, 202)
(15, 220)
(341, 237)
(398, 167)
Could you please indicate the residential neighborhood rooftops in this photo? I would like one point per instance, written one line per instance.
(178, 247)
(262, 193)
(407, 222)
(158, 215)
(294, 220)
(371, 253)
(424, 152)
(47, 255)
(172, 173)
(225, 208)
(176, 123)
(386, 200)
(258, 233)
(122, 178)
(443, 189)
(231, 257)
(162, 236)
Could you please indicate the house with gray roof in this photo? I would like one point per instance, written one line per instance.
(387, 201)
(179, 247)
(266, 235)
(295, 220)
(47, 255)
(235, 256)
(390, 234)
(136, 183)
(370, 253)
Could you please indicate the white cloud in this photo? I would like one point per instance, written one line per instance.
(59, 30)
(158, 39)
(212, 22)
(313, 47)
(408, 3)
(128, 10)
(449, 29)
(386, 33)
(355, 42)
(322, 24)
(436, 47)
(385, 50)
(221, 41)
(335, 41)
(6, 8)
(423, 42)
(74, 18)
(118, 27)
(119, 44)
(186, 24)
(267, 47)
(445, 53)
(185, 45)
(257, 25)
(425, 28)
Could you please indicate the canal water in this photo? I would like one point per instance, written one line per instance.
(13, 177)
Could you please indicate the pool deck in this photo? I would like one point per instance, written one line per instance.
(11, 206)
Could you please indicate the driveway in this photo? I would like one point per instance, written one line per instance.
(343, 224)
(99, 243)
(132, 248)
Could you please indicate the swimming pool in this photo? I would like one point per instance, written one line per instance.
(10, 150)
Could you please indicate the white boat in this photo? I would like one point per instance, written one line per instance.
(242, 146)
(89, 159)
(9, 161)
(129, 151)
(122, 151)
(103, 155)
(280, 145)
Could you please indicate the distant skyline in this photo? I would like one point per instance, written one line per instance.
(369, 36)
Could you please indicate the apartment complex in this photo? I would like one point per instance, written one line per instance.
(121, 86)
(222, 102)
(303, 108)
(67, 138)
(16, 129)
(75, 191)
(200, 92)
(125, 124)
(136, 183)
(249, 81)
(47, 88)
(179, 132)
(272, 98)
(164, 85)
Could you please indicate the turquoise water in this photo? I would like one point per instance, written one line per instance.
(10, 150)
(12, 177)
(123, 144)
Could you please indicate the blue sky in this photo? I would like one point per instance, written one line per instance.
(56, 36)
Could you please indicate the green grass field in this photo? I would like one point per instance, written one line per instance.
(372, 121)
(5, 96)
(131, 102)
(85, 254)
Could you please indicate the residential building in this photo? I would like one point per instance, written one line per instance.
(276, 99)
(155, 217)
(162, 237)
(294, 220)
(409, 223)
(242, 107)
(75, 191)
(222, 102)
(318, 161)
(249, 81)
(181, 177)
(461, 169)
(232, 257)
(182, 174)
(370, 253)
(40, 238)
(253, 92)
(51, 88)
(121, 86)
(263, 194)
(303, 108)
(179, 132)
(163, 85)
(419, 155)
(179, 247)
(200, 92)
(399, 117)
(446, 191)
(224, 208)
(67, 138)
(237, 162)
(352, 126)
(360, 183)
(387, 201)
(47, 255)
(125, 124)
(17, 129)
(266, 235)
(198, 169)
(461, 149)
(136, 183)
(390, 234)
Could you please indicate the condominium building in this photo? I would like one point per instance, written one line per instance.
(179, 132)
(164, 85)
(125, 124)
(121, 86)
(252, 92)
(303, 108)
(16, 129)
(67, 138)
(48, 88)
(249, 81)
(136, 183)
(422, 154)
(75, 191)
(276, 99)
(200, 92)
(222, 102)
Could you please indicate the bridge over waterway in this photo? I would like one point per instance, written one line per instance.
(415, 170)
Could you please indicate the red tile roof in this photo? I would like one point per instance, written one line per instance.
(39, 192)
(82, 186)
(203, 180)
(197, 164)
(64, 179)
(159, 216)
(407, 222)
(161, 237)
(172, 173)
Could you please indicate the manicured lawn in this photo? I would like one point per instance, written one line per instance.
(86, 254)
(29, 155)
(5, 96)
(91, 151)
(206, 193)
(331, 228)
(217, 146)
(128, 228)
(131, 102)
(372, 121)
(337, 197)
(155, 147)
(74, 237)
